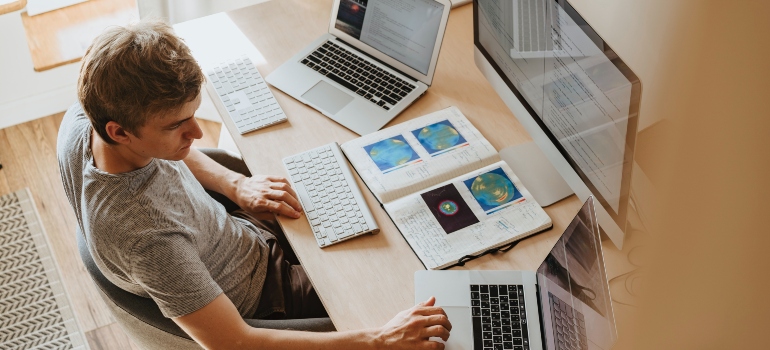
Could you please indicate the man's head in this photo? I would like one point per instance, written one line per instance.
(137, 77)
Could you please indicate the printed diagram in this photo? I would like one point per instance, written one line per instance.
(439, 138)
(494, 190)
(448, 207)
(391, 154)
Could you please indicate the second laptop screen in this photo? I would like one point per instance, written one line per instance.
(403, 30)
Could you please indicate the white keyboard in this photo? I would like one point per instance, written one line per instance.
(249, 102)
(332, 201)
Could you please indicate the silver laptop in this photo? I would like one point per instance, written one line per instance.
(565, 303)
(378, 57)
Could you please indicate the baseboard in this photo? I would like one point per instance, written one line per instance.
(37, 106)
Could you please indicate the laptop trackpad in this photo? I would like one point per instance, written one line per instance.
(327, 97)
(461, 336)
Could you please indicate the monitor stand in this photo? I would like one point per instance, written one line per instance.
(536, 173)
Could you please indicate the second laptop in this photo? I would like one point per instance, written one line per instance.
(377, 58)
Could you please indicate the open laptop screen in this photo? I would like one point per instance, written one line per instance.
(403, 30)
(574, 291)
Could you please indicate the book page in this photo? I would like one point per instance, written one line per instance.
(467, 215)
(414, 155)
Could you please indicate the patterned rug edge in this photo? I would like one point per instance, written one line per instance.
(40, 314)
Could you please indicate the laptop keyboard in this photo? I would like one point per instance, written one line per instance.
(358, 75)
(569, 325)
(499, 317)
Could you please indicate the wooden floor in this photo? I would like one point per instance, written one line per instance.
(28, 156)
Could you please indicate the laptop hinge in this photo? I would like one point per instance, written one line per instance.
(376, 59)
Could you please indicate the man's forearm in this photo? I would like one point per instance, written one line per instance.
(212, 175)
(218, 325)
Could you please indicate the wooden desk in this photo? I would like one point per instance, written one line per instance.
(364, 282)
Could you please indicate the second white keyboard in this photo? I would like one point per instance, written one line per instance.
(329, 195)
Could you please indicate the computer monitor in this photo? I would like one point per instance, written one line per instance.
(577, 99)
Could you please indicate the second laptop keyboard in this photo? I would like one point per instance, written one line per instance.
(329, 195)
(358, 75)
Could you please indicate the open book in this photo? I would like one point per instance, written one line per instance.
(445, 187)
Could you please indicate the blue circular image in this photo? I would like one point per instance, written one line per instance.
(438, 136)
(492, 189)
(390, 153)
(448, 207)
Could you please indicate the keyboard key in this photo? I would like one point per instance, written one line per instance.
(314, 59)
(389, 100)
(341, 81)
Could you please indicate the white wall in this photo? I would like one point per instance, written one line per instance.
(24, 93)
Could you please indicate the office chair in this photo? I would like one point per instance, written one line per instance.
(141, 318)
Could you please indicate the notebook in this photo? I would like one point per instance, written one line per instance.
(445, 188)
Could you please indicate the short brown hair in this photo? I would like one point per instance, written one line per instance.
(133, 73)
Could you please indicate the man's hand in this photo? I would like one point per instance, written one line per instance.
(411, 328)
(262, 193)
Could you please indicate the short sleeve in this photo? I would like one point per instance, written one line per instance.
(169, 268)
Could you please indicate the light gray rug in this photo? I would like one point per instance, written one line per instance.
(35, 311)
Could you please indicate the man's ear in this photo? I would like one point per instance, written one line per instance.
(117, 133)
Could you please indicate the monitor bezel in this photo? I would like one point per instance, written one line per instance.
(636, 88)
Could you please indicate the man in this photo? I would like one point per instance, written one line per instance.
(138, 191)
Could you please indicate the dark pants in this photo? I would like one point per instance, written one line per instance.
(287, 293)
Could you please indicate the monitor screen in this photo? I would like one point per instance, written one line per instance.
(581, 94)
(573, 287)
(403, 30)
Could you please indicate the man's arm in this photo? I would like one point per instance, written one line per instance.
(255, 194)
(218, 325)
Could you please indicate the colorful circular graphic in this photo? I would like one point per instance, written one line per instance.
(448, 207)
(492, 189)
(438, 136)
(391, 153)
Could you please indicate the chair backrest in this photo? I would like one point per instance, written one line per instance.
(143, 309)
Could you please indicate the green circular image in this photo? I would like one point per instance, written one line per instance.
(492, 189)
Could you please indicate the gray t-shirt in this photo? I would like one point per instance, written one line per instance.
(155, 232)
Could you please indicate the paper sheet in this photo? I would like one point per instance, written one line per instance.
(413, 155)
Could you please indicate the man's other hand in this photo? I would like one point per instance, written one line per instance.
(411, 328)
(264, 193)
